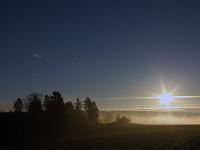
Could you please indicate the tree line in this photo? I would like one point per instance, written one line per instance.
(54, 105)
(37, 118)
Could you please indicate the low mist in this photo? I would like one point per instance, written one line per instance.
(153, 117)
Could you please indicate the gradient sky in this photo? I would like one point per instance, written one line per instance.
(101, 49)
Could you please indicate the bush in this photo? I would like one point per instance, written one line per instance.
(122, 120)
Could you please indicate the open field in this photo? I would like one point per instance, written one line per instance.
(137, 137)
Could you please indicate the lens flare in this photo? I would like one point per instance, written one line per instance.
(166, 98)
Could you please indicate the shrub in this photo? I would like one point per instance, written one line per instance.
(122, 120)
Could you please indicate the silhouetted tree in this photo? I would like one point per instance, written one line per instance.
(78, 105)
(56, 104)
(34, 105)
(91, 110)
(79, 115)
(69, 113)
(18, 105)
(47, 103)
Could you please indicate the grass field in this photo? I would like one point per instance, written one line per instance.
(135, 137)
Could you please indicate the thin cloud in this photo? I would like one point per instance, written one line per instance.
(129, 98)
(37, 55)
(150, 97)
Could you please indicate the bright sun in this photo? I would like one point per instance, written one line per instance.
(166, 98)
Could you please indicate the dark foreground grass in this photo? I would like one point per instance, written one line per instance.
(134, 137)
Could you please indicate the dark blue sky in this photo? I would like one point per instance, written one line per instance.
(98, 48)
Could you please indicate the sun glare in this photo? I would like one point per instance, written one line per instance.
(166, 98)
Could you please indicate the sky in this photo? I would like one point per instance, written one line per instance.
(102, 49)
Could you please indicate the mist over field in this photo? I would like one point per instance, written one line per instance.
(179, 111)
(183, 116)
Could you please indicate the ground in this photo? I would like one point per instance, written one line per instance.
(137, 137)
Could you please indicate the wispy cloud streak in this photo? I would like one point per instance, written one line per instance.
(37, 55)
(150, 97)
